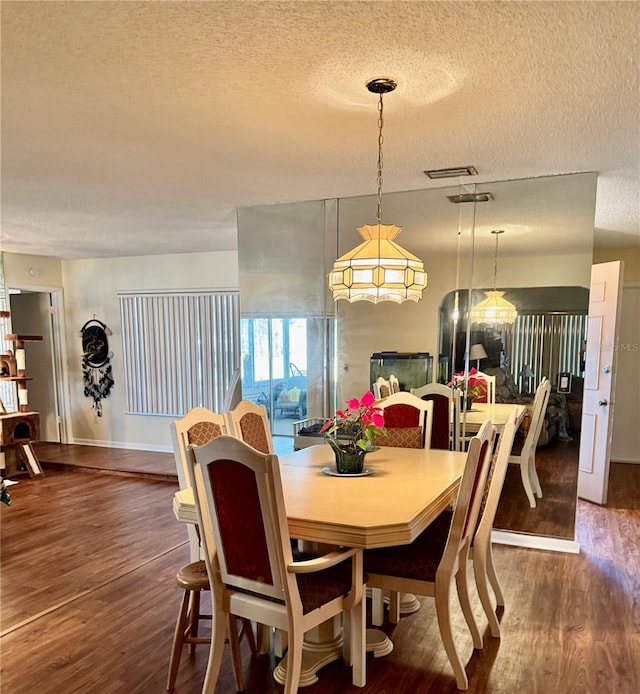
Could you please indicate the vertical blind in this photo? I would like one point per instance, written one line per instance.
(179, 350)
(548, 343)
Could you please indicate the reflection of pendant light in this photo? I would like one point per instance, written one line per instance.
(494, 309)
(378, 269)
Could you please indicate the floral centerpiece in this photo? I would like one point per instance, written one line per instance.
(476, 387)
(351, 432)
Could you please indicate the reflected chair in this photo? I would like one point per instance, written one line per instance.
(446, 405)
(437, 557)
(483, 566)
(408, 421)
(490, 395)
(381, 388)
(250, 423)
(394, 384)
(243, 524)
(527, 456)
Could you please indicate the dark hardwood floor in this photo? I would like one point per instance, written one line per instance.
(554, 514)
(89, 602)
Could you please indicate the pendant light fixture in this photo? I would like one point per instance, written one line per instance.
(378, 269)
(494, 309)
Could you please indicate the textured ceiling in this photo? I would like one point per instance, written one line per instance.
(132, 128)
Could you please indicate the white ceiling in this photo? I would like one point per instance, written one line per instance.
(132, 128)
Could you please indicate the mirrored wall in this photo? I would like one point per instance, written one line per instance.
(286, 252)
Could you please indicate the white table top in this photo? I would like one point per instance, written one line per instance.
(392, 506)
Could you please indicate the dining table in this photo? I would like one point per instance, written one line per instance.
(399, 493)
(497, 413)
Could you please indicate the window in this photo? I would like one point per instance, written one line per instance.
(179, 350)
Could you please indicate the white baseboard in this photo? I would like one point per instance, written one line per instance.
(626, 462)
(552, 544)
(123, 444)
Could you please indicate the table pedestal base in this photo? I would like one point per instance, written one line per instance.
(323, 645)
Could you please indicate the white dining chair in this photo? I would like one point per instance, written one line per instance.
(439, 556)
(481, 552)
(381, 388)
(526, 459)
(243, 523)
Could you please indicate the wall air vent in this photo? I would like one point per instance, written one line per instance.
(453, 172)
(471, 197)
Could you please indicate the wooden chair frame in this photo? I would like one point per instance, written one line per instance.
(527, 456)
(278, 602)
(491, 385)
(235, 419)
(180, 438)
(483, 566)
(379, 388)
(454, 396)
(394, 384)
(455, 559)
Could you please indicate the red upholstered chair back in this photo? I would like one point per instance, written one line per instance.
(407, 419)
(239, 492)
(441, 429)
(488, 387)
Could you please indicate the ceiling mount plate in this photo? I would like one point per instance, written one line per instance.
(452, 172)
(471, 197)
(381, 85)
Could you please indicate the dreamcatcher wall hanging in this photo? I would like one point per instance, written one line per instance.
(97, 374)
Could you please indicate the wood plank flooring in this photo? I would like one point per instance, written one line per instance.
(89, 603)
(554, 514)
(148, 464)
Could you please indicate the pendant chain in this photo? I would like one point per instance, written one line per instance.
(380, 141)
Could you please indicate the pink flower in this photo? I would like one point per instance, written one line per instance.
(378, 420)
(367, 399)
(354, 403)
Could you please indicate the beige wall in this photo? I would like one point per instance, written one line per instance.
(91, 288)
(630, 256)
(32, 271)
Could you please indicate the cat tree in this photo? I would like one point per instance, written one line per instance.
(18, 429)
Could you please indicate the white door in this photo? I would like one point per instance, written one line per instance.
(599, 381)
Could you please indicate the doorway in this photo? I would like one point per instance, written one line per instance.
(37, 313)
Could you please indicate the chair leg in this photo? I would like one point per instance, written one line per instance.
(394, 607)
(194, 619)
(219, 628)
(176, 650)
(357, 657)
(246, 631)
(482, 584)
(526, 482)
(377, 607)
(442, 591)
(280, 643)
(236, 659)
(493, 577)
(533, 474)
(462, 585)
(294, 661)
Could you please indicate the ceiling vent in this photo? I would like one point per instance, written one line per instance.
(453, 172)
(471, 197)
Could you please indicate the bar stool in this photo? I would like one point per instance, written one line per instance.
(193, 579)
